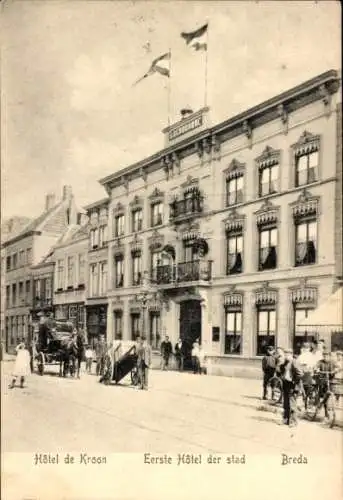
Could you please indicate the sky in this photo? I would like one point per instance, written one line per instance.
(70, 112)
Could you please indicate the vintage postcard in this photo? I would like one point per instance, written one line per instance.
(171, 250)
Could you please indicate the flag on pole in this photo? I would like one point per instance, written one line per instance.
(159, 65)
(197, 39)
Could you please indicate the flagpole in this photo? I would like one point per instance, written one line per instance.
(169, 87)
(206, 65)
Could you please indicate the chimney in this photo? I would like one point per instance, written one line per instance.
(67, 192)
(50, 201)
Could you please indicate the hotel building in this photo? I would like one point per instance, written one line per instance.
(235, 225)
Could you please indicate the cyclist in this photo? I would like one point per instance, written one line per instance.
(325, 372)
(307, 363)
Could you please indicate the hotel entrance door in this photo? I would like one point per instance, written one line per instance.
(190, 322)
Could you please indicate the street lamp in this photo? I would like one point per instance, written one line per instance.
(144, 296)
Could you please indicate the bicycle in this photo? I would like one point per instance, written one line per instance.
(325, 397)
(275, 384)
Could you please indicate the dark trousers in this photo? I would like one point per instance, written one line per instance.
(196, 364)
(179, 359)
(143, 372)
(100, 365)
(289, 402)
(267, 376)
(165, 361)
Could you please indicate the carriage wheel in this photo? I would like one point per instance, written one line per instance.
(40, 364)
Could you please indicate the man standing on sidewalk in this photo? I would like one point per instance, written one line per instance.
(166, 351)
(291, 377)
(143, 362)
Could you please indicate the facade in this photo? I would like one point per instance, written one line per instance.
(96, 296)
(70, 276)
(234, 226)
(23, 252)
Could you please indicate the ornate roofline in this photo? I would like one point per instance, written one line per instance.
(290, 100)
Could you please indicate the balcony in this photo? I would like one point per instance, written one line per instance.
(39, 303)
(198, 270)
(186, 208)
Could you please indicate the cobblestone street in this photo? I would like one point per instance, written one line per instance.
(181, 413)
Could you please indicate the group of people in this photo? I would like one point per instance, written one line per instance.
(181, 353)
(297, 374)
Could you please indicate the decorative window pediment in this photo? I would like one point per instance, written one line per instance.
(191, 185)
(156, 196)
(118, 247)
(190, 232)
(235, 169)
(266, 296)
(118, 305)
(135, 306)
(304, 295)
(305, 206)
(136, 245)
(234, 222)
(136, 203)
(154, 305)
(119, 209)
(307, 143)
(268, 214)
(156, 240)
(233, 300)
(268, 158)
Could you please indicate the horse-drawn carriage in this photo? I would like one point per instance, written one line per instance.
(55, 347)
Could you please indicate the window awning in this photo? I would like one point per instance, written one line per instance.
(329, 314)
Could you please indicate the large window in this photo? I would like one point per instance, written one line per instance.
(156, 214)
(136, 268)
(306, 168)
(93, 280)
(268, 180)
(38, 289)
(137, 220)
(119, 271)
(135, 325)
(14, 294)
(233, 332)
(305, 242)
(102, 236)
(94, 238)
(48, 290)
(156, 260)
(21, 293)
(267, 248)
(8, 296)
(14, 261)
(234, 253)
(266, 329)
(189, 251)
(103, 279)
(21, 258)
(82, 265)
(8, 263)
(29, 256)
(300, 335)
(70, 271)
(60, 274)
(119, 225)
(118, 324)
(234, 190)
(28, 292)
(155, 329)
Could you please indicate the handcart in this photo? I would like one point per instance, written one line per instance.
(126, 364)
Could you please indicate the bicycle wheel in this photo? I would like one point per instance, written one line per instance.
(331, 411)
(311, 404)
(276, 386)
(134, 376)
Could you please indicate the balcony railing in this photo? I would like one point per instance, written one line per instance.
(199, 270)
(186, 207)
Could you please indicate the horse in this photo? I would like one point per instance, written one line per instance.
(68, 355)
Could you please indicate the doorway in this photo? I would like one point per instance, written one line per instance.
(190, 322)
